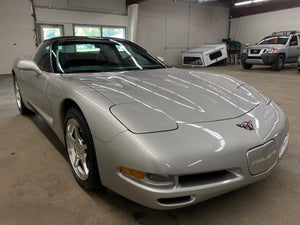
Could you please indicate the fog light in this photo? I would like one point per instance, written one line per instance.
(159, 180)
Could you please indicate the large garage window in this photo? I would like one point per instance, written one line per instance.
(99, 31)
(46, 31)
(87, 31)
(117, 32)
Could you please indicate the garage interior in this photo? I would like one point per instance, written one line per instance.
(37, 185)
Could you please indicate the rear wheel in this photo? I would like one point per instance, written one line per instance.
(80, 148)
(278, 65)
(247, 66)
(22, 108)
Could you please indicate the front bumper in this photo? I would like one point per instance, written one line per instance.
(206, 159)
(263, 59)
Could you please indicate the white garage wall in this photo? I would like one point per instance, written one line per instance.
(90, 12)
(17, 36)
(251, 29)
(68, 18)
(104, 6)
(166, 27)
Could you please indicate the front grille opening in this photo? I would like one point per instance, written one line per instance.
(174, 201)
(255, 51)
(205, 178)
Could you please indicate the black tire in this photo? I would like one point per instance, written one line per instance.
(279, 64)
(247, 66)
(22, 108)
(90, 180)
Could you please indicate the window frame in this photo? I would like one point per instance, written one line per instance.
(296, 37)
(38, 55)
(40, 32)
(101, 29)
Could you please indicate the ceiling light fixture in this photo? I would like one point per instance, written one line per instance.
(248, 2)
(195, 1)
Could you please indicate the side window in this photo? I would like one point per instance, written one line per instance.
(42, 57)
(294, 41)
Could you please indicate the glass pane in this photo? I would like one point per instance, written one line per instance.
(42, 57)
(87, 48)
(101, 56)
(87, 31)
(51, 32)
(117, 32)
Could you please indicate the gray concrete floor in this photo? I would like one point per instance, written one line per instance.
(37, 185)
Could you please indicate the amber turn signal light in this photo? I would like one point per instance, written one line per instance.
(134, 173)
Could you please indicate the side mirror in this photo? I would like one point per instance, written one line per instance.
(28, 65)
(161, 58)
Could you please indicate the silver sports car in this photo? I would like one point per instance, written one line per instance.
(162, 137)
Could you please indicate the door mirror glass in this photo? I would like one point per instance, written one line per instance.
(28, 65)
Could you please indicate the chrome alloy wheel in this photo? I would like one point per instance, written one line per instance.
(18, 95)
(77, 149)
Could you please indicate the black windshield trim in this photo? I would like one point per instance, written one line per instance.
(84, 40)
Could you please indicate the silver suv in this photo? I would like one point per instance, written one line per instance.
(275, 50)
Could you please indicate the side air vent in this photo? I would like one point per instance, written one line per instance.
(175, 201)
(205, 178)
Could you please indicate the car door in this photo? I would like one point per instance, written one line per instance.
(36, 83)
(293, 50)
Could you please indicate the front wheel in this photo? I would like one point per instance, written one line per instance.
(278, 65)
(80, 148)
(247, 66)
(22, 108)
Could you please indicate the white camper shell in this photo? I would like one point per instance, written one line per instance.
(205, 55)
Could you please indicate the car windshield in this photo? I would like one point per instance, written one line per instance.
(271, 40)
(101, 56)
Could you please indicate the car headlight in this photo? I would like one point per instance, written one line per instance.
(245, 50)
(270, 50)
(149, 179)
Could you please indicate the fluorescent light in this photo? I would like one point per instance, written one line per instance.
(243, 3)
(248, 2)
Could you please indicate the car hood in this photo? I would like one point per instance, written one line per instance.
(157, 100)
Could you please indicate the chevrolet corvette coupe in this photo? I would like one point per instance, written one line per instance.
(162, 137)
